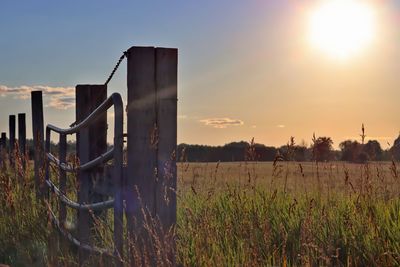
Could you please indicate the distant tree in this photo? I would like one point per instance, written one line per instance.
(235, 151)
(362, 157)
(353, 151)
(350, 150)
(300, 153)
(293, 152)
(322, 148)
(395, 149)
(373, 150)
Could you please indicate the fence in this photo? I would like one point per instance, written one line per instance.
(144, 185)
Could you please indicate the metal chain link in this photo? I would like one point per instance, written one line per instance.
(116, 67)
(124, 55)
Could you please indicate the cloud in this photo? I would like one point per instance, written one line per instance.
(61, 102)
(280, 126)
(221, 123)
(57, 97)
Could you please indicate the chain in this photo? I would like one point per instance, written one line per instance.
(124, 55)
(116, 67)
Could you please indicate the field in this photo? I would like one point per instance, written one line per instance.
(247, 214)
(295, 214)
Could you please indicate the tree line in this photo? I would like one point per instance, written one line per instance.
(321, 150)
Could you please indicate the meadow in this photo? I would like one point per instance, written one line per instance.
(244, 214)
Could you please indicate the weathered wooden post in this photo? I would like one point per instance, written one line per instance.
(38, 139)
(3, 149)
(91, 143)
(151, 171)
(22, 139)
(3, 140)
(166, 103)
(12, 140)
(62, 154)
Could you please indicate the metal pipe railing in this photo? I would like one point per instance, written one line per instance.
(75, 241)
(116, 153)
(114, 99)
(103, 158)
(75, 205)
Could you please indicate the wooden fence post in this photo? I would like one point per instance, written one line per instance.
(62, 154)
(3, 149)
(38, 140)
(12, 140)
(152, 101)
(22, 138)
(142, 152)
(166, 82)
(91, 143)
(3, 140)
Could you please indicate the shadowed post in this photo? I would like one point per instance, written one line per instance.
(151, 173)
(38, 138)
(62, 153)
(12, 140)
(91, 143)
(22, 139)
(3, 148)
(142, 153)
(166, 81)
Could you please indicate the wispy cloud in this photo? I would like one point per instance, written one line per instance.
(57, 97)
(221, 123)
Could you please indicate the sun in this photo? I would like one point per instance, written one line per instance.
(341, 28)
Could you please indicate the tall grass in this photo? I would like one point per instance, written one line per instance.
(234, 214)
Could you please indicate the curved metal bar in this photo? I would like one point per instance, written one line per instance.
(75, 241)
(103, 158)
(72, 204)
(116, 154)
(64, 166)
(114, 99)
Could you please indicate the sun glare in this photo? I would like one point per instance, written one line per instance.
(341, 28)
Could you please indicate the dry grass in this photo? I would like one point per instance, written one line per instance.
(236, 214)
(286, 213)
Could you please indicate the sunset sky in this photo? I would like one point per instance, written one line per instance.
(246, 68)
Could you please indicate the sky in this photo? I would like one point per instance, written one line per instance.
(246, 68)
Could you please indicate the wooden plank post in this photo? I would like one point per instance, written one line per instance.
(62, 154)
(22, 139)
(142, 152)
(91, 142)
(3, 149)
(166, 81)
(152, 83)
(11, 152)
(38, 141)
(3, 140)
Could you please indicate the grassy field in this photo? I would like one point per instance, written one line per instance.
(295, 214)
(247, 214)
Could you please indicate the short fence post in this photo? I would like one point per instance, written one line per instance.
(38, 140)
(22, 139)
(91, 143)
(62, 153)
(152, 100)
(12, 140)
(3, 149)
